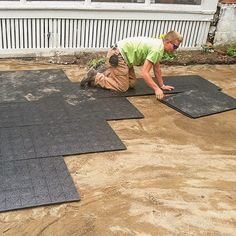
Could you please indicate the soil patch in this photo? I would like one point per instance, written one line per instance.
(182, 58)
(200, 57)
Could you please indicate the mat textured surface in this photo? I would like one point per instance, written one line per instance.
(141, 89)
(55, 110)
(37, 91)
(181, 84)
(44, 111)
(20, 77)
(111, 108)
(33, 85)
(197, 104)
(190, 82)
(84, 136)
(28, 183)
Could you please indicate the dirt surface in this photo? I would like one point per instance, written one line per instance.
(218, 56)
(201, 57)
(177, 176)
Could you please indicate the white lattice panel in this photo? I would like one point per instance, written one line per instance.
(92, 33)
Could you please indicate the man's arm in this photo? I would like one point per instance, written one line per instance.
(147, 66)
(158, 75)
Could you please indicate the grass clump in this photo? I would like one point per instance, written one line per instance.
(169, 56)
(96, 62)
(231, 51)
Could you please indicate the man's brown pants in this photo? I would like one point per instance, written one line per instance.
(118, 78)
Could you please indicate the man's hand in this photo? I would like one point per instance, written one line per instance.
(159, 94)
(167, 87)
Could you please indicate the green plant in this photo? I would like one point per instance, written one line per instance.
(96, 62)
(231, 51)
(168, 56)
(208, 47)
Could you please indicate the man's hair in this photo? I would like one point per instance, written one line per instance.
(173, 36)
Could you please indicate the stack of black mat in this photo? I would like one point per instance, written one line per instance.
(44, 116)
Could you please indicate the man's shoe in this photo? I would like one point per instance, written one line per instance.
(89, 78)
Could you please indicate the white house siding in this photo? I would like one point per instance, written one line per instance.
(45, 28)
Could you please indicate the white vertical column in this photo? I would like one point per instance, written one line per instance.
(74, 33)
(98, 33)
(25, 33)
(46, 36)
(50, 31)
(12, 27)
(4, 33)
(59, 33)
(8, 30)
(70, 43)
(42, 33)
(63, 33)
(21, 33)
(33, 33)
(1, 45)
(29, 26)
(95, 33)
(78, 43)
(55, 34)
(38, 33)
(17, 34)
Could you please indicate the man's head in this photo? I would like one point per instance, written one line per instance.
(172, 41)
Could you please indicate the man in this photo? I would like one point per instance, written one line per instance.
(136, 51)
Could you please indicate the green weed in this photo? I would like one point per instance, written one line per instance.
(96, 62)
(169, 56)
(231, 51)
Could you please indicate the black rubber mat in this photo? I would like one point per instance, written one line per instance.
(30, 183)
(55, 110)
(19, 77)
(35, 124)
(141, 89)
(197, 104)
(37, 84)
(181, 84)
(83, 136)
(45, 111)
(32, 85)
(116, 109)
(36, 91)
(190, 82)
(111, 108)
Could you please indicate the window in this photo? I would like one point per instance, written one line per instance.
(128, 1)
(186, 2)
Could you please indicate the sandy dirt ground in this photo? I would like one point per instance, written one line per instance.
(177, 176)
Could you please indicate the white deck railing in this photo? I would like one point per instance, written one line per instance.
(44, 28)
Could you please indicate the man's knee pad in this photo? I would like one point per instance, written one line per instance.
(113, 60)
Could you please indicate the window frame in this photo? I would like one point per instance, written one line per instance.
(206, 6)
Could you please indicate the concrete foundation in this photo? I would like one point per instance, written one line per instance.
(226, 27)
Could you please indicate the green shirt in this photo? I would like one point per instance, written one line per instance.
(136, 50)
